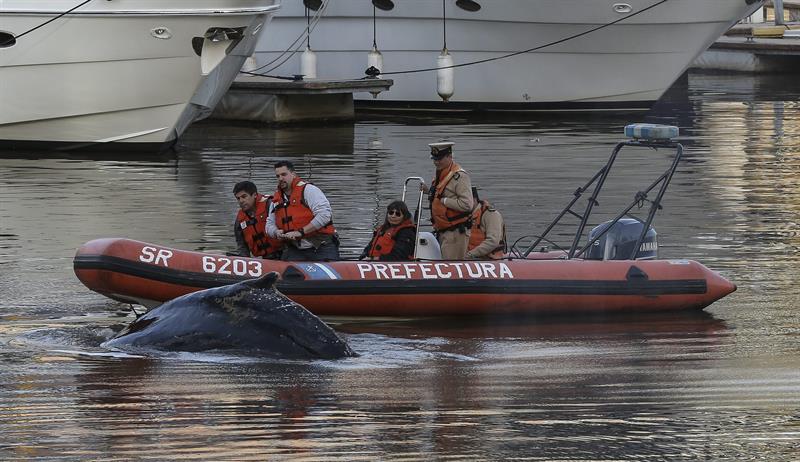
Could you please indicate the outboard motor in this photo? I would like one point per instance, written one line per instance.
(618, 242)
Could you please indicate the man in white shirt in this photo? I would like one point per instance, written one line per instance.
(301, 215)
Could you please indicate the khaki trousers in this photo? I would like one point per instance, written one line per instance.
(454, 244)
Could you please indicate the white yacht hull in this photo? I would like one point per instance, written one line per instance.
(625, 65)
(123, 72)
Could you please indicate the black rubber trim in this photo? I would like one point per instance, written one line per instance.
(156, 273)
(494, 286)
(402, 286)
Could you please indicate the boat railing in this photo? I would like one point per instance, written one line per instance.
(418, 211)
(643, 135)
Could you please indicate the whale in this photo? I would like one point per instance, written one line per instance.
(251, 317)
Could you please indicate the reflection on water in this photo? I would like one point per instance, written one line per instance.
(720, 384)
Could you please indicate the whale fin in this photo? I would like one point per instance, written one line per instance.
(266, 281)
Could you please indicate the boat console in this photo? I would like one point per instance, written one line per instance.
(427, 246)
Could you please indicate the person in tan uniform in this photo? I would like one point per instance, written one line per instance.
(451, 203)
(488, 238)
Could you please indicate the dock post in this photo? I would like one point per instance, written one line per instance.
(778, 6)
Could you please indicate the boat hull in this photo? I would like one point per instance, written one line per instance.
(128, 72)
(625, 66)
(148, 274)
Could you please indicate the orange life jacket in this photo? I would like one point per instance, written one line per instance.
(383, 241)
(445, 219)
(254, 230)
(292, 213)
(478, 235)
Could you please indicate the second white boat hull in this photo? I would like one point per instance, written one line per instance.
(624, 65)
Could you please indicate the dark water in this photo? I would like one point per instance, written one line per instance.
(719, 385)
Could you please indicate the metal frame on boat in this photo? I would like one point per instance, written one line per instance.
(662, 141)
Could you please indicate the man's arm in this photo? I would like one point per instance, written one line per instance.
(460, 193)
(272, 229)
(492, 224)
(320, 207)
(242, 249)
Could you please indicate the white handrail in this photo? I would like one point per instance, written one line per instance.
(418, 212)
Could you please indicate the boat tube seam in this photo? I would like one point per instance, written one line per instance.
(402, 286)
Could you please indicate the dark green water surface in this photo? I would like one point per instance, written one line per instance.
(723, 384)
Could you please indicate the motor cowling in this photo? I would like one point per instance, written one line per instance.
(618, 242)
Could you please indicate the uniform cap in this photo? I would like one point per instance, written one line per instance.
(441, 148)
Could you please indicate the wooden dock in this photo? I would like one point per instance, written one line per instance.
(757, 48)
(270, 100)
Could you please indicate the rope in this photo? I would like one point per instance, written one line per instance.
(374, 28)
(136, 313)
(472, 63)
(308, 25)
(306, 31)
(45, 23)
(281, 77)
(516, 53)
(444, 26)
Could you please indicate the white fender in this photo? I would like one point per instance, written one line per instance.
(375, 59)
(445, 78)
(308, 64)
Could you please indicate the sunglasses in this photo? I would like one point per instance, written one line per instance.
(394, 213)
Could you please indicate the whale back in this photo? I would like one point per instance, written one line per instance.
(250, 316)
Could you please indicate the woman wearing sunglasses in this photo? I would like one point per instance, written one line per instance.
(394, 239)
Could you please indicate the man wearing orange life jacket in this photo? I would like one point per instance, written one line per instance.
(301, 216)
(251, 222)
(451, 203)
(488, 238)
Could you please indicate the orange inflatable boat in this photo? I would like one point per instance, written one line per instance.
(617, 270)
(148, 274)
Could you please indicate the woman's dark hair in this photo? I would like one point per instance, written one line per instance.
(397, 205)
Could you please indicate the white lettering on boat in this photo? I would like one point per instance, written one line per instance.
(155, 256)
(477, 270)
(380, 269)
(477, 273)
(648, 247)
(394, 269)
(235, 266)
